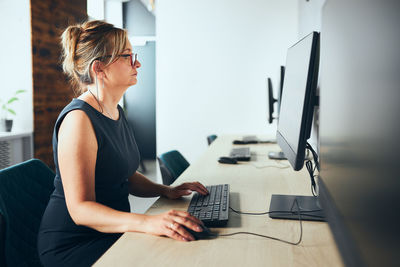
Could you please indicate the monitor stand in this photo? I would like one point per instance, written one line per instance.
(277, 155)
(284, 207)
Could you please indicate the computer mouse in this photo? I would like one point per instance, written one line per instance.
(240, 142)
(205, 234)
(227, 160)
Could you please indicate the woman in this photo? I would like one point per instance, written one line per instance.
(96, 157)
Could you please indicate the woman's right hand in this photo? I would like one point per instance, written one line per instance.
(172, 224)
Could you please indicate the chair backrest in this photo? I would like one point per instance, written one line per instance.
(166, 175)
(172, 164)
(25, 190)
(211, 138)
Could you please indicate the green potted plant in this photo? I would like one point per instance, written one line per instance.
(6, 110)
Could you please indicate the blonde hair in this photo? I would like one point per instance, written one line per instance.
(84, 43)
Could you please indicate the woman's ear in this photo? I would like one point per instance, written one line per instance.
(97, 69)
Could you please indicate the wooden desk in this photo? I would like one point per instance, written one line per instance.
(251, 190)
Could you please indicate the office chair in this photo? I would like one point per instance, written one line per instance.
(211, 138)
(172, 164)
(25, 190)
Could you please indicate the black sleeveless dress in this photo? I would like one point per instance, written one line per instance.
(60, 241)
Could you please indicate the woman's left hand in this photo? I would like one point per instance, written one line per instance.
(174, 192)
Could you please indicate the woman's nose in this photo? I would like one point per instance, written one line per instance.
(137, 64)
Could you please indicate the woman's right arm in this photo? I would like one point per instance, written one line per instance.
(77, 150)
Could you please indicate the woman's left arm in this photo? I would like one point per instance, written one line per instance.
(141, 186)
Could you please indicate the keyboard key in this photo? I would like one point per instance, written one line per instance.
(208, 208)
(205, 201)
(212, 195)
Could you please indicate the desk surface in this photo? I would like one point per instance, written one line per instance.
(251, 190)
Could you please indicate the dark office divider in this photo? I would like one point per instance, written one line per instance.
(140, 102)
(360, 130)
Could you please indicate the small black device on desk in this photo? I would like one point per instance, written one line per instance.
(251, 139)
(240, 154)
(240, 142)
(205, 234)
(212, 209)
(227, 160)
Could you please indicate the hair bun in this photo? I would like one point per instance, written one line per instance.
(83, 43)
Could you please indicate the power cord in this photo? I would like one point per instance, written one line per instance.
(305, 212)
(271, 237)
(315, 155)
(311, 169)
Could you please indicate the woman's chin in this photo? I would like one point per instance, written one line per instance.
(133, 82)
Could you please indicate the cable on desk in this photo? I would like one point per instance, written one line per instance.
(278, 211)
(271, 237)
(281, 163)
(267, 166)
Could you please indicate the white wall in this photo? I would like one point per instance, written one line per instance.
(310, 16)
(96, 9)
(113, 13)
(212, 58)
(16, 60)
(310, 19)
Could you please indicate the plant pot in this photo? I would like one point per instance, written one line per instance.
(9, 124)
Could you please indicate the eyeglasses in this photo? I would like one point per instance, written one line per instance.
(131, 56)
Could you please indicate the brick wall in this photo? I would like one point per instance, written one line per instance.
(51, 91)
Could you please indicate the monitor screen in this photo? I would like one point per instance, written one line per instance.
(298, 95)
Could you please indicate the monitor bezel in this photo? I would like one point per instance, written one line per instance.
(271, 101)
(296, 158)
(281, 79)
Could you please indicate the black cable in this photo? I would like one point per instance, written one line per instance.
(311, 169)
(304, 212)
(315, 155)
(271, 237)
(249, 213)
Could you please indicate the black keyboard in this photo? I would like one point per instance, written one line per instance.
(213, 209)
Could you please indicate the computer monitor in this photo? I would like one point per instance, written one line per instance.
(279, 155)
(271, 101)
(295, 121)
(298, 99)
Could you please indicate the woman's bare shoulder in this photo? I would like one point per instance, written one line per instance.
(77, 126)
